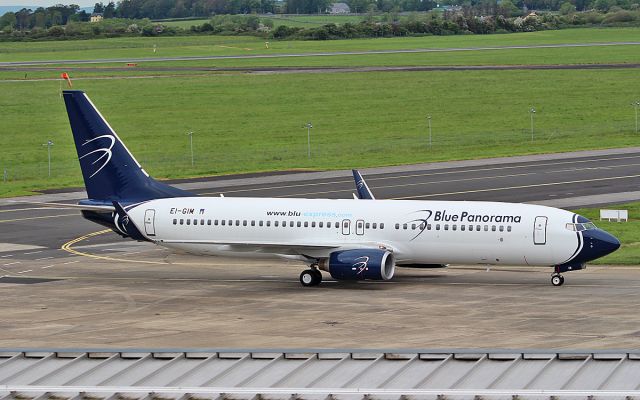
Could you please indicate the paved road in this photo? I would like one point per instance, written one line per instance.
(316, 54)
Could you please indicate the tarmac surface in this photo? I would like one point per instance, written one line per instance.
(68, 283)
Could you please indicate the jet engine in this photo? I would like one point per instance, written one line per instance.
(360, 264)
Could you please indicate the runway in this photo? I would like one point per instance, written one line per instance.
(66, 283)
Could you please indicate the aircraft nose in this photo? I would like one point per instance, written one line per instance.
(600, 243)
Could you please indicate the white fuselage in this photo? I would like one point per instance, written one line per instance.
(417, 232)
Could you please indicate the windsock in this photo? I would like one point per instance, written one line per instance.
(65, 76)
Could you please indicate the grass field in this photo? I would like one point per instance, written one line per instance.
(627, 232)
(253, 122)
(303, 21)
(244, 45)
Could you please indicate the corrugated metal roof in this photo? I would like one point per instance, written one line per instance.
(304, 374)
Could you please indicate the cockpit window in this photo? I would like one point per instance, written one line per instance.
(581, 227)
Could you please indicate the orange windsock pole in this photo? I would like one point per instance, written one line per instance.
(65, 76)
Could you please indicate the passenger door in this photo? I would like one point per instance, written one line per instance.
(540, 231)
(149, 222)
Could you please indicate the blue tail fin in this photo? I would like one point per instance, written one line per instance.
(110, 172)
(364, 193)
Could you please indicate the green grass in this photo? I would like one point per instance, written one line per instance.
(254, 122)
(185, 24)
(224, 45)
(627, 232)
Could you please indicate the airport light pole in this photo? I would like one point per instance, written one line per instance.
(308, 126)
(532, 112)
(636, 105)
(429, 125)
(49, 144)
(190, 133)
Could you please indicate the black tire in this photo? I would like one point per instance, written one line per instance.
(309, 277)
(318, 275)
(557, 280)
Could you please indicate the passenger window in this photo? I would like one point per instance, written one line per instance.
(367, 225)
(397, 226)
(462, 227)
(313, 224)
(437, 227)
(284, 224)
(381, 225)
(291, 223)
(275, 223)
(299, 224)
(337, 224)
(478, 228)
(470, 227)
(188, 222)
(428, 227)
(501, 228)
(223, 222)
(446, 227)
(509, 228)
(237, 222)
(260, 223)
(268, 223)
(175, 221)
(253, 223)
(181, 221)
(320, 224)
(215, 222)
(244, 223)
(486, 228)
(493, 228)
(306, 224)
(413, 227)
(454, 227)
(375, 225)
(230, 223)
(208, 222)
(202, 222)
(195, 222)
(404, 226)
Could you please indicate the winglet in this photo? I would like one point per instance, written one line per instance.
(364, 193)
(125, 226)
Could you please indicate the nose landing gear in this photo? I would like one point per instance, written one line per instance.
(557, 279)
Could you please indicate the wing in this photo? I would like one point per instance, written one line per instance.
(294, 249)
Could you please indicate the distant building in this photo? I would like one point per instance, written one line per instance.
(96, 17)
(339, 8)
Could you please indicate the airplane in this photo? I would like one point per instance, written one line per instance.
(352, 239)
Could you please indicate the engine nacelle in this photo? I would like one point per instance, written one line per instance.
(360, 264)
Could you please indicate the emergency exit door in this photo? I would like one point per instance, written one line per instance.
(540, 231)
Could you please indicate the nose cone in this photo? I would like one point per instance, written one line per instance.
(598, 243)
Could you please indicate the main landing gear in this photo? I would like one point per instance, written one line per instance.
(557, 279)
(311, 276)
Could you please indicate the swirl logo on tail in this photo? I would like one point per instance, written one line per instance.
(104, 152)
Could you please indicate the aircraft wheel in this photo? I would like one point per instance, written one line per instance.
(557, 280)
(309, 277)
(318, 274)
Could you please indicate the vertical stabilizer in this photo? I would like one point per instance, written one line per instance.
(110, 171)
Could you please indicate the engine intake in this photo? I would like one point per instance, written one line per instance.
(360, 264)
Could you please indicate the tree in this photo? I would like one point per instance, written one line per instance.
(8, 20)
(567, 8)
(98, 8)
(110, 10)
